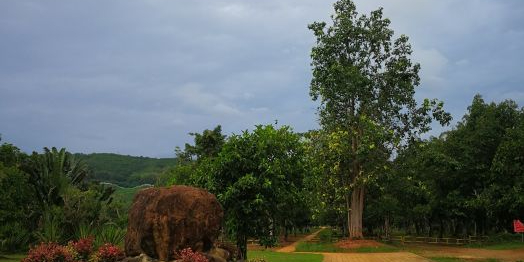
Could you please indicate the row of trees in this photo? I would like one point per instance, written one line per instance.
(467, 181)
(45, 198)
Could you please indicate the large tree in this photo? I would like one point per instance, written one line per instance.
(365, 81)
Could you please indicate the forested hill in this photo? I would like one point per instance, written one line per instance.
(123, 170)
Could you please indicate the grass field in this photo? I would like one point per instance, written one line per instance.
(499, 246)
(11, 258)
(271, 256)
(455, 259)
(331, 248)
(126, 194)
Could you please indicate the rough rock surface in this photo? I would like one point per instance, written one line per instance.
(165, 220)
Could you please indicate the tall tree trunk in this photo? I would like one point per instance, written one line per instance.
(357, 194)
(357, 208)
(242, 248)
(386, 227)
(348, 208)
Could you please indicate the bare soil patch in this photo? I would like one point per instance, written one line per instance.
(466, 253)
(354, 244)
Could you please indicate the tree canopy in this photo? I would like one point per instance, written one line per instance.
(365, 81)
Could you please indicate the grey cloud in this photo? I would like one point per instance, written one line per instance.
(135, 77)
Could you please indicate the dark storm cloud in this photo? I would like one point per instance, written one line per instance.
(135, 77)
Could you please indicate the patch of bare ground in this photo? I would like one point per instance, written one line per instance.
(358, 243)
(466, 253)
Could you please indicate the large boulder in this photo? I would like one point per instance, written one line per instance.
(163, 221)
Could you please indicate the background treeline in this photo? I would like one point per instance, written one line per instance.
(467, 181)
(123, 170)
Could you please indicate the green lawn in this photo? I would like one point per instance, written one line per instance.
(11, 258)
(318, 247)
(455, 259)
(331, 248)
(499, 246)
(271, 256)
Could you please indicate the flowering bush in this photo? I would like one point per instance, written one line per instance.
(49, 252)
(108, 253)
(187, 255)
(82, 248)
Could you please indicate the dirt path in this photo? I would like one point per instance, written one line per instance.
(469, 253)
(422, 251)
(293, 246)
(373, 257)
(358, 257)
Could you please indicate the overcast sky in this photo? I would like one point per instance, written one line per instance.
(135, 77)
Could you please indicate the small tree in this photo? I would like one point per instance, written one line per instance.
(257, 177)
(366, 83)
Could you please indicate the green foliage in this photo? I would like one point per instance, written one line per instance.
(271, 256)
(326, 235)
(44, 198)
(117, 210)
(11, 155)
(125, 171)
(332, 248)
(17, 205)
(208, 144)
(110, 233)
(268, 241)
(52, 172)
(258, 178)
(12, 257)
(85, 231)
(466, 182)
(13, 237)
(365, 82)
(87, 207)
(51, 229)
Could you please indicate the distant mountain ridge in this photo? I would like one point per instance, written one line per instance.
(125, 170)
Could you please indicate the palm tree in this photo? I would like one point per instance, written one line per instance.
(52, 172)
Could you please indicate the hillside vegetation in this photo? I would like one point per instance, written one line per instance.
(123, 170)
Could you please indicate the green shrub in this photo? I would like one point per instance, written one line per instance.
(326, 235)
(51, 229)
(13, 237)
(85, 230)
(268, 241)
(110, 233)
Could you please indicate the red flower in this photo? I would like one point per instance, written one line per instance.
(109, 253)
(48, 252)
(84, 247)
(187, 255)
